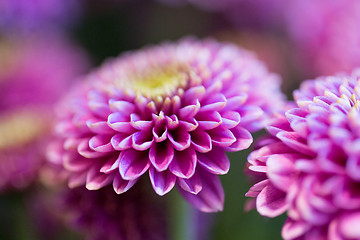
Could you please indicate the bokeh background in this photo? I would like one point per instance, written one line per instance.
(297, 40)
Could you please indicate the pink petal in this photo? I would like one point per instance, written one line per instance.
(122, 106)
(294, 141)
(209, 120)
(189, 111)
(191, 95)
(255, 190)
(192, 185)
(121, 141)
(162, 182)
(281, 170)
(96, 180)
(120, 122)
(142, 140)
(85, 150)
(349, 225)
(133, 164)
(139, 124)
(110, 165)
(201, 141)
(271, 202)
(184, 163)
(215, 161)
(243, 139)
(101, 143)
(230, 119)
(74, 162)
(77, 179)
(120, 185)
(213, 103)
(210, 198)
(294, 229)
(180, 139)
(221, 137)
(161, 154)
(99, 127)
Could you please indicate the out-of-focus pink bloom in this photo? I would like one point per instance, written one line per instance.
(326, 34)
(104, 215)
(171, 111)
(309, 166)
(37, 15)
(33, 74)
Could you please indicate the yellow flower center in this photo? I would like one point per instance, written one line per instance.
(155, 83)
(20, 127)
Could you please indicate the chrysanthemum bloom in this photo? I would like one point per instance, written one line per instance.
(33, 74)
(326, 34)
(310, 166)
(103, 215)
(172, 111)
(38, 15)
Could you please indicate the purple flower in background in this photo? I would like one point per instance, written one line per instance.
(104, 215)
(33, 75)
(37, 15)
(310, 165)
(326, 34)
(172, 111)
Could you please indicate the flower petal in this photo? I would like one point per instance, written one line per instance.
(201, 141)
(121, 141)
(192, 185)
(161, 155)
(184, 163)
(120, 185)
(96, 180)
(215, 161)
(243, 139)
(210, 198)
(133, 164)
(120, 122)
(162, 182)
(101, 143)
(271, 202)
(180, 139)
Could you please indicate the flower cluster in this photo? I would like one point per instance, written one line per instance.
(309, 166)
(172, 111)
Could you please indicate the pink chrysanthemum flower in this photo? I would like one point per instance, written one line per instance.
(310, 167)
(33, 75)
(103, 215)
(38, 15)
(172, 111)
(326, 34)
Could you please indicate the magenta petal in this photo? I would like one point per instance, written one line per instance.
(133, 164)
(120, 185)
(160, 134)
(161, 154)
(201, 141)
(349, 225)
(180, 139)
(191, 95)
(192, 185)
(96, 180)
(281, 170)
(85, 150)
(76, 180)
(99, 127)
(271, 202)
(110, 165)
(222, 137)
(120, 122)
(121, 141)
(294, 229)
(139, 124)
(243, 139)
(209, 120)
(189, 111)
(216, 102)
(230, 119)
(142, 140)
(101, 143)
(74, 162)
(162, 182)
(293, 140)
(122, 106)
(255, 190)
(210, 198)
(215, 161)
(99, 108)
(184, 163)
